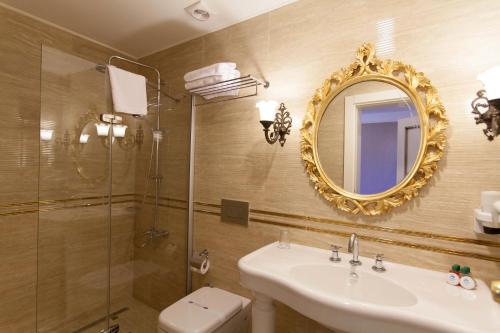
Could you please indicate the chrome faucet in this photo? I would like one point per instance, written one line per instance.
(353, 248)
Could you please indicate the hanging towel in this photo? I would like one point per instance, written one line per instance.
(215, 69)
(129, 91)
(206, 81)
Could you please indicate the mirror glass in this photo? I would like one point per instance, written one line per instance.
(89, 151)
(369, 137)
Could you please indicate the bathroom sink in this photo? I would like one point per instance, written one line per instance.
(352, 284)
(357, 299)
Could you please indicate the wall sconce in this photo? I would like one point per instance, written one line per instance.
(102, 129)
(486, 106)
(84, 138)
(46, 134)
(119, 131)
(281, 121)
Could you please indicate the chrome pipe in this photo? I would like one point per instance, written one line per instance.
(192, 142)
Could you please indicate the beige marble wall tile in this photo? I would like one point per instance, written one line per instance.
(18, 257)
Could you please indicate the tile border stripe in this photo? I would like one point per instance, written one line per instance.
(368, 227)
(50, 205)
(369, 238)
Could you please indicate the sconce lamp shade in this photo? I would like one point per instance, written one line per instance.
(102, 129)
(491, 82)
(267, 110)
(46, 134)
(119, 131)
(84, 138)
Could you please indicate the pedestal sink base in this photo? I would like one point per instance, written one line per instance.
(263, 314)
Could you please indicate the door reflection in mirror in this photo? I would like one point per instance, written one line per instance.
(369, 137)
(389, 141)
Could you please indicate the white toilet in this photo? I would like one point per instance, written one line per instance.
(207, 310)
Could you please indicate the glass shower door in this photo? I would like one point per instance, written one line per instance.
(73, 232)
(110, 251)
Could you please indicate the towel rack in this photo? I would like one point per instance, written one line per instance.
(243, 82)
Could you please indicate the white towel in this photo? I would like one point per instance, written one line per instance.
(129, 91)
(206, 81)
(215, 69)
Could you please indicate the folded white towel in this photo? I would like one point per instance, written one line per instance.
(215, 69)
(206, 81)
(128, 91)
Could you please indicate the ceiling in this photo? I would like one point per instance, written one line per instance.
(141, 27)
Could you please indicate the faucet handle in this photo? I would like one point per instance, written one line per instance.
(335, 253)
(379, 264)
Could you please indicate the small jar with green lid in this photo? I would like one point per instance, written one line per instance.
(466, 280)
(453, 276)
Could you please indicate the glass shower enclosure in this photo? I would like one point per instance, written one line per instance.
(103, 188)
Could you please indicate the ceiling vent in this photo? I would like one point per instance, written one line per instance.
(199, 10)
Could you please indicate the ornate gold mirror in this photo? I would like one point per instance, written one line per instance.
(90, 157)
(373, 134)
(90, 150)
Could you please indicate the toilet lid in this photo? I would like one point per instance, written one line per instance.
(202, 311)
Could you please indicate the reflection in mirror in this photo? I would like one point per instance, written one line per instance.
(90, 152)
(369, 137)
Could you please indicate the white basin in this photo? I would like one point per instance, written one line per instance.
(353, 284)
(404, 299)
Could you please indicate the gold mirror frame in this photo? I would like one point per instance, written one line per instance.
(88, 118)
(433, 122)
(92, 117)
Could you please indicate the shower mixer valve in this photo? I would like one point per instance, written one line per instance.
(153, 233)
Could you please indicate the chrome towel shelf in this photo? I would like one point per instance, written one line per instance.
(245, 83)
